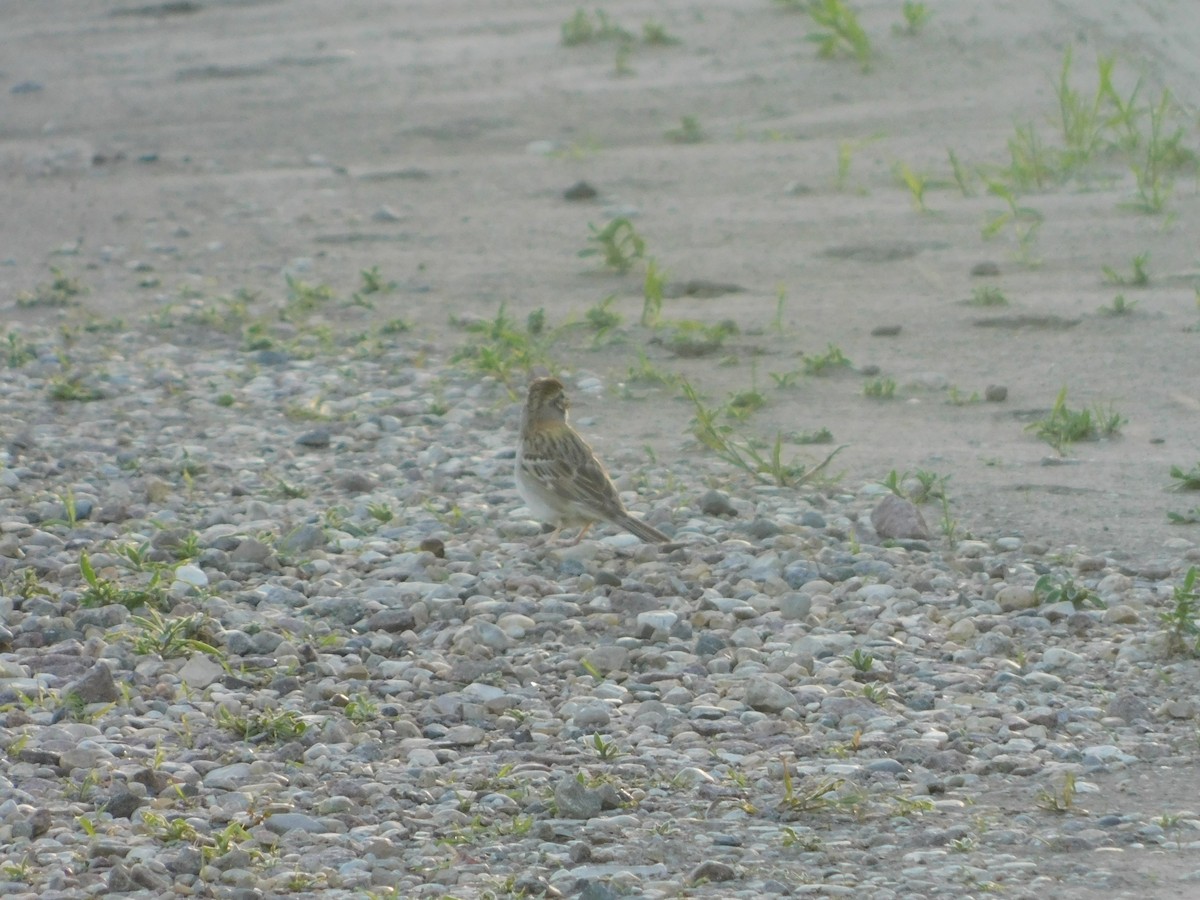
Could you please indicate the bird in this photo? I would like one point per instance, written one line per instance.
(558, 475)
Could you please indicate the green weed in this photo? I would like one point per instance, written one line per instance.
(765, 464)
(1049, 589)
(1065, 426)
(1186, 481)
(652, 294)
(61, 290)
(842, 34)
(1119, 307)
(916, 17)
(104, 592)
(880, 388)
(272, 724)
(825, 363)
(1138, 277)
(617, 242)
(987, 295)
(1179, 620)
(170, 638)
(688, 132)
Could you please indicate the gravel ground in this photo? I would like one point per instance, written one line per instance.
(363, 675)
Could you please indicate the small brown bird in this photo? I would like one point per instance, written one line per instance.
(558, 475)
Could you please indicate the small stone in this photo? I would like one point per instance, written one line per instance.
(767, 696)
(302, 539)
(995, 393)
(435, 546)
(795, 606)
(1013, 597)
(711, 871)
(576, 800)
(580, 190)
(897, 518)
(122, 804)
(317, 438)
(716, 503)
(1129, 707)
(985, 269)
(355, 483)
(282, 823)
(885, 331)
(96, 685)
(200, 671)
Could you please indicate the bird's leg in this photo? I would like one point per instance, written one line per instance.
(582, 532)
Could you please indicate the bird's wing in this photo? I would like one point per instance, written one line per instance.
(565, 464)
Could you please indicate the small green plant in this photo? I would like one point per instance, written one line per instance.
(273, 724)
(1119, 307)
(819, 796)
(1032, 165)
(962, 177)
(987, 295)
(618, 243)
(652, 294)
(61, 290)
(1139, 276)
(304, 299)
(1065, 426)
(1081, 118)
(645, 372)
(170, 638)
(1186, 481)
(500, 346)
(605, 748)
(656, 34)
(1049, 589)
(747, 455)
(1023, 222)
(361, 708)
(694, 339)
(381, 512)
(602, 318)
(915, 182)
(875, 692)
(688, 132)
(742, 404)
(916, 17)
(583, 29)
(780, 304)
(957, 397)
(1058, 800)
(880, 388)
(1179, 619)
(103, 592)
(1161, 155)
(860, 660)
(809, 843)
(842, 35)
(825, 363)
(18, 351)
(72, 388)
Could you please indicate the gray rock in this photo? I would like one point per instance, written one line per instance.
(711, 871)
(302, 539)
(767, 696)
(897, 518)
(576, 800)
(282, 823)
(96, 685)
(715, 503)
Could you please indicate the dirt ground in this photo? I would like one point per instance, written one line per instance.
(194, 149)
(179, 152)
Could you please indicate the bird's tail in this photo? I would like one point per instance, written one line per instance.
(647, 533)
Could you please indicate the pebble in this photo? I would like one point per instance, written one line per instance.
(408, 692)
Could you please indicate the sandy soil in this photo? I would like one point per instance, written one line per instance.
(219, 144)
